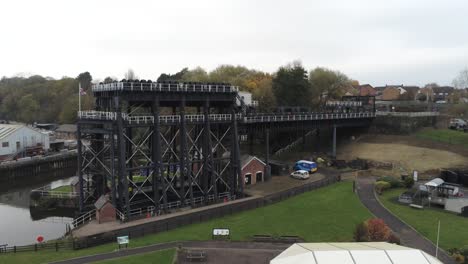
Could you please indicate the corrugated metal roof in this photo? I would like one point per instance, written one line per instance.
(353, 253)
(6, 130)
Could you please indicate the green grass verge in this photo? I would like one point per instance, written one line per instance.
(445, 135)
(453, 228)
(161, 257)
(64, 188)
(327, 214)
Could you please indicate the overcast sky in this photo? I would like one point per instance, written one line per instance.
(377, 42)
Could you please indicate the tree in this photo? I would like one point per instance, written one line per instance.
(461, 81)
(263, 93)
(195, 75)
(290, 86)
(85, 80)
(109, 79)
(172, 77)
(327, 84)
(130, 75)
(30, 109)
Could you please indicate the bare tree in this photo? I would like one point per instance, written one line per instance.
(130, 75)
(461, 81)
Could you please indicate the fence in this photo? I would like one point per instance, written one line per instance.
(68, 244)
(201, 216)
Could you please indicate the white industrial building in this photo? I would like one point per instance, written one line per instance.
(16, 138)
(353, 253)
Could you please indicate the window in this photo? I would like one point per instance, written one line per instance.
(5, 144)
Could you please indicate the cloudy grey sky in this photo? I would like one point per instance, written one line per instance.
(374, 41)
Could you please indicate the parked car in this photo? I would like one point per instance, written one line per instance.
(300, 174)
(457, 123)
(306, 165)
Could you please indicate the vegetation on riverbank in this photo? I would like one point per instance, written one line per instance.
(327, 214)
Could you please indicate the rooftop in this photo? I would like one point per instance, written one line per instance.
(6, 130)
(353, 253)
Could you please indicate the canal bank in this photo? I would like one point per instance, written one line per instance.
(18, 174)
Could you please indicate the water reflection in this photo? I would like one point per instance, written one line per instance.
(20, 225)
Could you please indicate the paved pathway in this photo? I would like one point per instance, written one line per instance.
(409, 237)
(187, 244)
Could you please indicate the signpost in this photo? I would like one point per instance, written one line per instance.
(221, 233)
(122, 240)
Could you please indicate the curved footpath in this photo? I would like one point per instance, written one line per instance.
(409, 236)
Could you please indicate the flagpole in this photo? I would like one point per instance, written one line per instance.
(438, 232)
(79, 97)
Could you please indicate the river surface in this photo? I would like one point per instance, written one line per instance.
(17, 226)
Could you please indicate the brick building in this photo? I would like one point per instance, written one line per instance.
(252, 169)
(105, 211)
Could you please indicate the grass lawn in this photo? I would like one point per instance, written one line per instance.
(453, 228)
(64, 188)
(327, 214)
(445, 135)
(160, 257)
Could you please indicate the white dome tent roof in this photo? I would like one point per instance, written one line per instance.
(352, 253)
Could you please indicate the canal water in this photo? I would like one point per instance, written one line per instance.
(20, 225)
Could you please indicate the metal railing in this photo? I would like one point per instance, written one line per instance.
(46, 191)
(257, 118)
(165, 87)
(98, 115)
(143, 119)
(304, 117)
(408, 114)
(87, 217)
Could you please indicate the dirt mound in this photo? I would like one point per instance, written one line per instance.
(404, 157)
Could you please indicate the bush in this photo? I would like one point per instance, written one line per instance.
(361, 232)
(408, 182)
(459, 258)
(395, 183)
(378, 230)
(381, 186)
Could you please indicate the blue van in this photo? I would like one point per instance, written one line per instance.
(306, 165)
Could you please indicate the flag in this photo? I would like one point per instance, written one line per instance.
(82, 91)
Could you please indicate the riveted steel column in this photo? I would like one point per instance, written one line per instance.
(208, 174)
(113, 170)
(236, 189)
(123, 180)
(156, 157)
(183, 151)
(267, 155)
(334, 142)
(80, 171)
